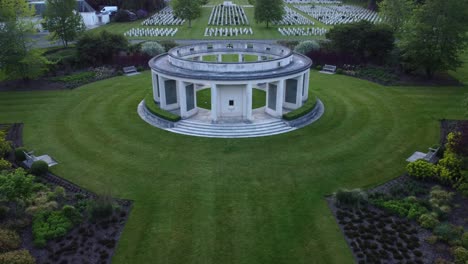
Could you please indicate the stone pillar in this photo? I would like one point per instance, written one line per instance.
(220, 57)
(249, 101)
(182, 99)
(300, 87)
(162, 93)
(155, 86)
(305, 94)
(259, 58)
(280, 98)
(214, 102)
(241, 57)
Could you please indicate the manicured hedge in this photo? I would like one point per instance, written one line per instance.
(154, 109)
(302, 111)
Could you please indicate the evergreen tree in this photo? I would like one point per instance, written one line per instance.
(268, 11)
(61, 19)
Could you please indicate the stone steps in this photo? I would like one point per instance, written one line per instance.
(193, 128)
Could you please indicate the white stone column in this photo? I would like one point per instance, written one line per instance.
(220, 57)
(249, 101)
(241, 57)
(214, 102)
(280, 98)
(162, 93)
(259, 58)
(305, 95)
(300, 87)
(182, 99)
(155, 80)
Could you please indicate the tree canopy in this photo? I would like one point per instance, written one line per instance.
(187, 9)
(396, 12)
(267, 11)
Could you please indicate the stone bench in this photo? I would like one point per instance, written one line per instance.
(328, 69)
(430, 156)
(129, 71)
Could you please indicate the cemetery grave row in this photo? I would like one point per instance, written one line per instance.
(227, 31)
(151, 32)
(339, 14)
(292, 17)
(165, 17)
(311, 31)
(228, 15)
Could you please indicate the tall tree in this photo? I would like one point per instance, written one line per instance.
(268, 11)
(62, 20)
(396, 12)
(435, 36)
(187, 9)
(17, 57)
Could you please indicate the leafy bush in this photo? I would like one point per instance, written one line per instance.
(5, 146)
(288, 43)
(81, 77)
(307, 46)
(339, 71)
(168, 44)
(17, 257)
(102, 207)
(96, 49)
(49, 225)
(4, 164)
(9, 240)
(440, 201)
(462, 187)
(461, 255)
(464, 240)
(428, 221)
(408, 207)
(59, 192)
(72, 213)
(39, 167)
(154, 109)
(141, 13)
(380, 75)
(353, 198)
(318, 67)
(152, 48)
(301, 111)
(123, 15)
(453, 142)
(449, 168)
(15, 185)
(19, 154)
(421, 169)
(447, 232)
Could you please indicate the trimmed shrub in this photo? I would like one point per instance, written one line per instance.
(168, 44)
(152, 48)
(17, 257)
(461, 255)
(353, 198)
(9, 240)
(102, 207)
(307, 46)
(19, 154)
(449, 168)
(72, 213)
(154, 109)
(4, 164)
(448, 232)
(39, 167)
(49, 225)
(428, 221)
(5, 146)
(59, 192)
(301, 111)
(421, 169)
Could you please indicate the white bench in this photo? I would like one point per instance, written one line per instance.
(328, 69)
(429, 156)
(129, 71)
(30, 159)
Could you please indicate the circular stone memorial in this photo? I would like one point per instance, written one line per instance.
(179, 74)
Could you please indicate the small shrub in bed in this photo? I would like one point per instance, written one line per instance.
(4, 164)
(307, 46)
(39, 167)
(19, 154)
(464, 240)
(428, 221)
(9, 240)
(152, 48)
(461, 255)
(421, 169)
(72, 213)
(353, 198)
(17, 257)
(168, 44)
(448, 233)
(102, 207)
(50, 225)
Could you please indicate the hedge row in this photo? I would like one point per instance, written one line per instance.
(155, 110)
(302, 111)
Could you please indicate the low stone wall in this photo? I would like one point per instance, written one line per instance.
(309, 118)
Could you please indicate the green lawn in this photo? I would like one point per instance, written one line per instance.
(204, 98)
(260, 200)
(197, 30)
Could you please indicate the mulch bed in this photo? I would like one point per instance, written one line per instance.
(88, 242)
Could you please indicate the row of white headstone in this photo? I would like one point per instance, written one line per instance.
(292, 17)
(227, 31)
(311, 31)
(339, 14)
(312, 1)
(165, 17)
(233, 15)
(151, 32)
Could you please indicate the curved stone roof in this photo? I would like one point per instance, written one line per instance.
(282, 61)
